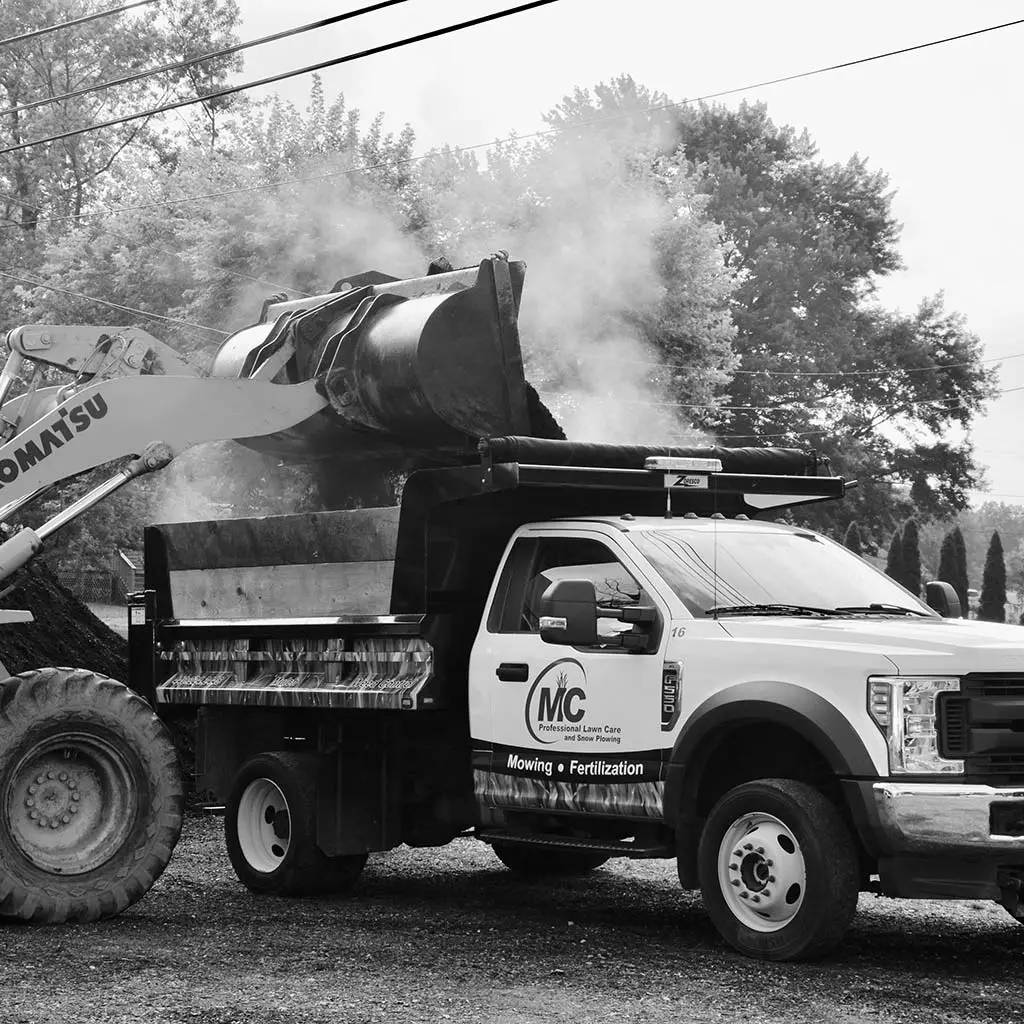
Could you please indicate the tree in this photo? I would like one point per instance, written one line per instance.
(61, 178)
(962, 580)
(821, 363)
(993, 583)
(894, 561)
(947, 565)
(953, 566)
(911, 558)
(852, 539)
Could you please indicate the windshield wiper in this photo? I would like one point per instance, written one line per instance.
(882, 609)
(768, 609)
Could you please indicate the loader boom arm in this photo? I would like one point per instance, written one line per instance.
(122, 417)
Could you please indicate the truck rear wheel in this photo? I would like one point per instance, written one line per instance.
(547, 860)
(90, 796)
(270, 830)
(778, 871)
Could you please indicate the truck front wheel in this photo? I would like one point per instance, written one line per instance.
(778, 871)
(270, 830)
(90, 796)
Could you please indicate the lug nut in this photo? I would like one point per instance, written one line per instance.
(41, 823)
(30, 802)
(72, 784)
(74, 809)
(63, 776)
(748, 846)
(33, 815)
(771, 878)
(735, 881)
(760, 849)
(744, 895)
(54, 823)
(40, 779)
(737, 853)
(769, 862)
(66, 818)
(755, 899)
(49, 775)
(732, 867)
(32, 788)
(76, 796)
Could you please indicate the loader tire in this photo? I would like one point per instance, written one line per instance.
(90, 796)
(270, 830)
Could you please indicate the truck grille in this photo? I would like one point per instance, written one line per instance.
(983, 725)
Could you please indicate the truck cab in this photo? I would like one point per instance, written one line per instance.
(650, 671)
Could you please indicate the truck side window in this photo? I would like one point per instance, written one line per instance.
(556, 558)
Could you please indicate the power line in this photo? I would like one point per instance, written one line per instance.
(781, 407)
(807, 373)
(112, 305)
(270, 79)
(157, 249)
(213, 55)
(357, 168)
(76, 21)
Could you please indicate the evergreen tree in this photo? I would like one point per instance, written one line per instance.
(961, 584)
(894, 563)
(852, 539)
(993, 583)
(911, 557)
(948, 566)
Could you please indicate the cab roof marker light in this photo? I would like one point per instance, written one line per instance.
(670, 464)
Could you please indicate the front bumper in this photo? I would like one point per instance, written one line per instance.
(949, 819)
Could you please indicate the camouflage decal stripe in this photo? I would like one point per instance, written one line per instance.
(339, 672)
(630, 799)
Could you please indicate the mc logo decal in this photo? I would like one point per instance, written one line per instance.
(556, 702)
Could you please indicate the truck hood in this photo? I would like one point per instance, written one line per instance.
(915, 646)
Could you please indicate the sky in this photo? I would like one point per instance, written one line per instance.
(944, 123)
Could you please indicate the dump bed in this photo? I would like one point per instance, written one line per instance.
(378, 608)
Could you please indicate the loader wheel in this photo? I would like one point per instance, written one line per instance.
(537, 861)
(270, 830)
(778, 871)
(90, 796)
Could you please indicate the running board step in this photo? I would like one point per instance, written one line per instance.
(642, 848)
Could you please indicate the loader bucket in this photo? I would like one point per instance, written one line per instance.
(426, 365)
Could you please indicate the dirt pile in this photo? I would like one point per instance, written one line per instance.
(65, 632)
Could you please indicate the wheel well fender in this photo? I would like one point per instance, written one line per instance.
(787, 731)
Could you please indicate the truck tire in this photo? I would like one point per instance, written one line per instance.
(778, 870)
(90, 796)
(270, 830)
(547, 860)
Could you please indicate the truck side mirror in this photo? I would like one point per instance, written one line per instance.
(941, 597)
(568, 613)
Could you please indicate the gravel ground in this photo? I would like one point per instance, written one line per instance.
(449, 935)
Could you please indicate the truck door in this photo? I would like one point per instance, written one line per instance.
(559, 727)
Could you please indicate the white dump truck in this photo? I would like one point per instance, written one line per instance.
(569, 651)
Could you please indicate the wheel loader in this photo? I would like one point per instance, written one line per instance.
(376, 371)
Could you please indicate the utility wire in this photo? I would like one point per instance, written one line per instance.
(403, 161)
(806, 373)
(213, 55)
(270, 79)
(76, 21)
(781, 407)
(113, 305)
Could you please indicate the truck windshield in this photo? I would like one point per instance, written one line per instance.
(768, 571)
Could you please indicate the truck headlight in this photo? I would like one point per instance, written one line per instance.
(904, 708)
